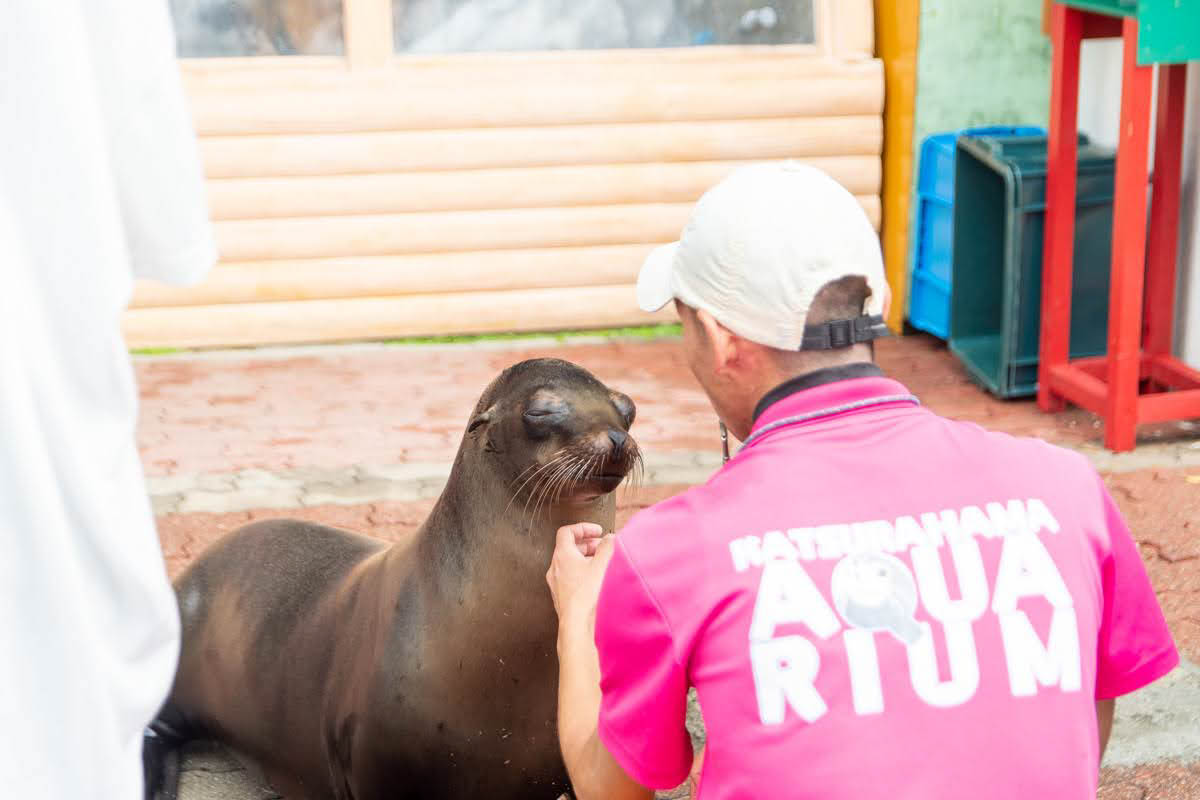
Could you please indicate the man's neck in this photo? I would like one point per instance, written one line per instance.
(814, 378)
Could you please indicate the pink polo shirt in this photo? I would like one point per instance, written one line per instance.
(879, 603)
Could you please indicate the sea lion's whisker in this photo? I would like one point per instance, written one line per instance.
(571, 477)
(554, 461)
(560, 454)
(542, 485)
(553, 486)
(582, 468)
(561, 480)
(544, 475)
(591, 466)
(637, 473)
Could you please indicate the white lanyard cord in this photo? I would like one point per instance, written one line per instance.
(828, 412)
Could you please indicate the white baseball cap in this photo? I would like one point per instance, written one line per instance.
(758, 248)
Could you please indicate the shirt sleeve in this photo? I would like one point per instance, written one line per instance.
(643, 683)
(151, 139)
(1135, 646)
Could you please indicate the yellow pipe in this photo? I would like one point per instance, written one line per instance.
(896, 30)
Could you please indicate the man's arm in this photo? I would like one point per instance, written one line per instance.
(612, 631)
(595, 774)
(1104, 719)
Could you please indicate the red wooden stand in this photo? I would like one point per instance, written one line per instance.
(1138, 381)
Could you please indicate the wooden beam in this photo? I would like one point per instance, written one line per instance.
(367, 26)
(1121, 410)
(397, 234)
(1058, 240)
(1168, 406)
(513, 105)
(386, 317)
(1079, 387)
(896, 43)
(462, 190)
(853, 29)
(416, 151)
(425, 273)
(503, 229)
(453, 71)
(1158, 317)
(1166, 370)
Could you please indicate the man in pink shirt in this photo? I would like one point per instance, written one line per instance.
(871, 601)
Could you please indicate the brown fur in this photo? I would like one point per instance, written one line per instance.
(425, 669)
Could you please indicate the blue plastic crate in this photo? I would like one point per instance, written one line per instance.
(930, 296)
(930, 278)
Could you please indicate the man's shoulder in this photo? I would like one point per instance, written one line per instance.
(655, 523)
(1016, 449)
(671, 535)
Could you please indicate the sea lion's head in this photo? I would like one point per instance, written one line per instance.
(554, 433)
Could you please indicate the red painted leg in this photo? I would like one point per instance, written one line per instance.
(1128, 249)
(1159, 315)
(1059, 238)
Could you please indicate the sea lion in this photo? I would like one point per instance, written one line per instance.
(350, 668)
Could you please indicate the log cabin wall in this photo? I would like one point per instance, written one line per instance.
(379, 196)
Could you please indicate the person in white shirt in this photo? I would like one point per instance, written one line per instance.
(99, 182)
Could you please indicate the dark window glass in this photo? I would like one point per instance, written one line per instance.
(257, 27)
(456, 26)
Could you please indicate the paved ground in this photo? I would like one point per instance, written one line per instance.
(362, 437)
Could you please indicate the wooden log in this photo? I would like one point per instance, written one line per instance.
(428, 273)
(504, 229)
(368, 32)
(396, 234)
(385, 317)
(897, 25)
(873, 207)
(463, 190)
(509, 105)
(480, 148)
(853, 29)
(453, 70)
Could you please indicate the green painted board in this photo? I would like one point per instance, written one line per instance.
(1114, 8)
(1168, 30)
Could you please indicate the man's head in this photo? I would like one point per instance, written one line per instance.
(769, 258)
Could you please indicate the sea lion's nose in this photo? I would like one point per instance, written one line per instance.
(618, 438)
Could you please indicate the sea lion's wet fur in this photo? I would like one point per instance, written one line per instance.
(426, 669)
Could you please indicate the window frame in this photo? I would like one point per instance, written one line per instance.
(843, 29)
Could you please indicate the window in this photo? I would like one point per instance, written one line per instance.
(453, 26)
(257, 27)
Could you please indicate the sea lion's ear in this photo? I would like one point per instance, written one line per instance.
(481, 419)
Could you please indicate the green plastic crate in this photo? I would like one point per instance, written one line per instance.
(999, 215)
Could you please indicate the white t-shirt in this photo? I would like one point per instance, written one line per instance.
(99, 182)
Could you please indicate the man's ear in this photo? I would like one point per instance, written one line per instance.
(719, 338)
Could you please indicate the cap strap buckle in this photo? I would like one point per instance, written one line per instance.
(840, 333)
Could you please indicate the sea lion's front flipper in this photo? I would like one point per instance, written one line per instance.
(161, 756)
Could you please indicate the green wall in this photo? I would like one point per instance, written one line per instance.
(979, 62)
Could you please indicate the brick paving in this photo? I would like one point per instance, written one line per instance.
(360, 437)
(337, 407)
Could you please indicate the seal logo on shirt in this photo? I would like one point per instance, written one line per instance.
(876, 592)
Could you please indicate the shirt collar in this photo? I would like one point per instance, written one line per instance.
(833, 393)
(809, 380)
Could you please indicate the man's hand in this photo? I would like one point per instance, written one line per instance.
(581, 554)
